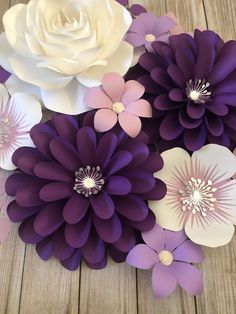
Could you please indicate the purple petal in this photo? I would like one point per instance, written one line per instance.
(188, 252)
(87, 145)
(44, 249)
(117, 185)
(131, 207)
(60, 249)
(195, 111)
(17, 181)
(76, 235)
(100, 265)
(109, 229)
(117, 162)
(28, 161)
(56, 191)
(75, 208)
(94, 249)
(102, 205)
(215, 125)
(187, 122)
(25, 151)
(127, 240)
(106, 148)
(176, 75)
(177, 94)
(27, 232)
(174, 239)
(49, 219)
(142, 257)
(29, 196)
(154, 163)
(194, 139)
(17, 213)
(72, 262)
(137, 9)
(163, 102)
(146, 224)
(52, 171)
(41, 135)
(66, 127)
(160, 76)
(116, 255)
(155, 238)
(163, 281)
(157, 193)
(188, 277)
(141, 181)
(170, 127)
(136, 40)
(65, 154)
(218, 108)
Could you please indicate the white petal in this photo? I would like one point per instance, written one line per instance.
(227, 199)
(213, 235)
(14, 21)
(119, 62)
(15, 85)
(68, 100)
(27, 70)
(166, 214)
(137, 53)
(216, 157)
(5, 52)
(175, 159)
(28, 107)
(4, 96)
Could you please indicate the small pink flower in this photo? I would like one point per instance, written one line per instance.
(118, 100)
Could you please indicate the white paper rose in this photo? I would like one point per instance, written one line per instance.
(57, 48)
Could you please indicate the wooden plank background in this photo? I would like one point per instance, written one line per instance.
(29, 285)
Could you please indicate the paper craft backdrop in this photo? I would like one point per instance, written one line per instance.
(30, 285)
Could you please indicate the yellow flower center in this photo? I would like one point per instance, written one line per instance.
(150, 37)
(165, 257)
(118, 107)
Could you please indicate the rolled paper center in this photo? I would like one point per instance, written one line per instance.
(150, 37)
(166, 257)
(118, 107)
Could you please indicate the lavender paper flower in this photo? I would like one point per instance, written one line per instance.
(134, 9)
(191, 82)
(80, 193)
(169, 254)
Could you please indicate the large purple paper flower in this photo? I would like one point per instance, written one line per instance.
(192, 84)
(79, 193)
(169, 254)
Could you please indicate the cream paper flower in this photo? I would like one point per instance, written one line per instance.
(201, 194)
(57, 48)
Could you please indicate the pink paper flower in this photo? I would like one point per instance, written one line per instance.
(5, 224)
(18, 115)
(201, 195)
(169, 254)
(118, 100)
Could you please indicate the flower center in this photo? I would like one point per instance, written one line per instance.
(88, 181)
(197, 91)
(197, 196)
(5, 130)
(150, 37)
(118, 107)
(165, 257)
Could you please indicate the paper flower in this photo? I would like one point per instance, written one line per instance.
(169, 254)
(134, 9)
(4, 75)
(148, 28)
(118, 101)
(191, 82)
(201, 196)
(78, 192)
(18, 115)
(65, 49)
(5, 224)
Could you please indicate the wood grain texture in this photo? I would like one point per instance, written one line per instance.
(29, 285)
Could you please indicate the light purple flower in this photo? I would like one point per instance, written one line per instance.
(147, 28)
(169, 254)
(135, 9)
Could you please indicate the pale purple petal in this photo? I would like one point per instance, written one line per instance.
(155, 238)
(133, 91)
(96, 98)
(174, 239)
(114, 86)
(163, 280)
(142, 257)
(104, 120)
(188, 252)
(140, 108)
(188, 277)
(130, 124)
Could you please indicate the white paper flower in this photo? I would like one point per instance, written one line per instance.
(18, 115)
(201, 194)
(63, 46)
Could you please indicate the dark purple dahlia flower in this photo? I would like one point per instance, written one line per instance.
(191, 83)
(80, 194)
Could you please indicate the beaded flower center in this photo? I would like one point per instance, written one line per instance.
(88, 181)
(165, 257)
(118, 107)
(150, 37)
(197, 196)
(197, 91)
(5, 131)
